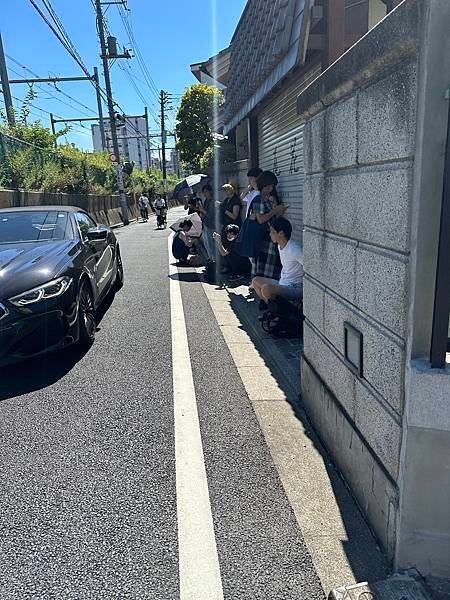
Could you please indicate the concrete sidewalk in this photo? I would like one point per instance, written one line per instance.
(341, 545)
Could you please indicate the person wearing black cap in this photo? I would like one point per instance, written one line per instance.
(252, 191)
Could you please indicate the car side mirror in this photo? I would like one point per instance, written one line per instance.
(97, 233)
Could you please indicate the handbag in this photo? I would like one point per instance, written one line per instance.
(251, 236)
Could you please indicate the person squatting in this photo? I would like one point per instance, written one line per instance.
(244, 238)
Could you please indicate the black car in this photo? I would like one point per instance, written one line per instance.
(56, 267)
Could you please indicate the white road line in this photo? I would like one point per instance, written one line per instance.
(198, 561)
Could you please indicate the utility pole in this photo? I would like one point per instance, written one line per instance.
(112, 118)
(149, 147)
(100, 109)
(177, 155)
(164, 98)
(5, 86)
(52, 123)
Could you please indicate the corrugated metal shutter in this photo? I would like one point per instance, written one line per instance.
(280, 139)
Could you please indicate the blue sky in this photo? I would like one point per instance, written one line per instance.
(171, 35)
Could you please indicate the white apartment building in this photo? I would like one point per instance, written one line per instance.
(132, 138)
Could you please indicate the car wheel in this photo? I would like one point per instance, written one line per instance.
(86, 315)
(118, 284)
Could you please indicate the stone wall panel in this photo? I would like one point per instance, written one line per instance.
(331, 260)
(379, 215)
(340, 134)
(314, 201)
(386, 117)
(383, 356)
(313, 303)
(381, 287)
(380, 428)
(334, 373)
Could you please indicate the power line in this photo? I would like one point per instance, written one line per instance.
(66, 42)
(68, 45)
(52, 96)
(142, 64)
(129, 73)
(142, 81)
(105, 26)
(42, 110)
(147, 76)
(151, 101)
(53, 86)
(62, 36)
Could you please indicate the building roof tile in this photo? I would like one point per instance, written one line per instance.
(266, 44)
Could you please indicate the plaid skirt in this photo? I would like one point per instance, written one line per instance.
(267, 263)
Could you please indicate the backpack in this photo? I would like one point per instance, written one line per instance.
(283, 319)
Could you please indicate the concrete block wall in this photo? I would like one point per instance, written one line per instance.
(360, 143)
(356, 243)
(375, 142)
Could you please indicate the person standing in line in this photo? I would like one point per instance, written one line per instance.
(229, 209)
(252, 191)
(196, 200)
(208, 214)
(267, 263)
(143, 204)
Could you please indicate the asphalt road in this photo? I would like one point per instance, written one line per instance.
(88, 496)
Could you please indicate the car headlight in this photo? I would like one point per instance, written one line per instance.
(52, 289)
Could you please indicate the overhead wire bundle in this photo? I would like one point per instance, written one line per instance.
(56, 26)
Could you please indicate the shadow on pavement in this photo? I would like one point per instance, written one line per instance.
(186, 276)
(367, 561)
(38, 373)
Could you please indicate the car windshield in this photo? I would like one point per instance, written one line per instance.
(34, 226)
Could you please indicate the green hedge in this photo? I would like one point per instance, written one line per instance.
(66, 169)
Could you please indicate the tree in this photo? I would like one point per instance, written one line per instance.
(193, 117)
(29, 160)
